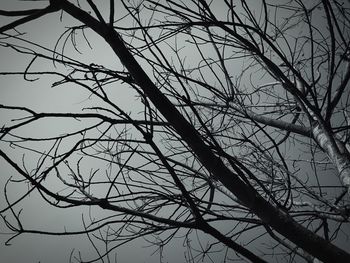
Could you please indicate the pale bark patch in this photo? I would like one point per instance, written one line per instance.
(337, 153)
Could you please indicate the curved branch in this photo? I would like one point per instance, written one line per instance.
(34, 14)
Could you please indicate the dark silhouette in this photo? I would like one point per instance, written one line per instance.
(242, 135)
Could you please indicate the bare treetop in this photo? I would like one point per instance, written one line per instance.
(227, 121)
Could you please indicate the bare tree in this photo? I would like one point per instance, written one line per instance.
(239, 125)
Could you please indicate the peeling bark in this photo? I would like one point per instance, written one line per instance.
(337, 153)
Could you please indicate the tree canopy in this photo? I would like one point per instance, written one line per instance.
(222, 122)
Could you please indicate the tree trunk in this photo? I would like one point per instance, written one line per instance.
(337, 153)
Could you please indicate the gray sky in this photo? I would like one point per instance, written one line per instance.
(40, 96)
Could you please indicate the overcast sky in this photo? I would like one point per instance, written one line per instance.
(40, 96)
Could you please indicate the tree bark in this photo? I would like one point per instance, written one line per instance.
(337, 153)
